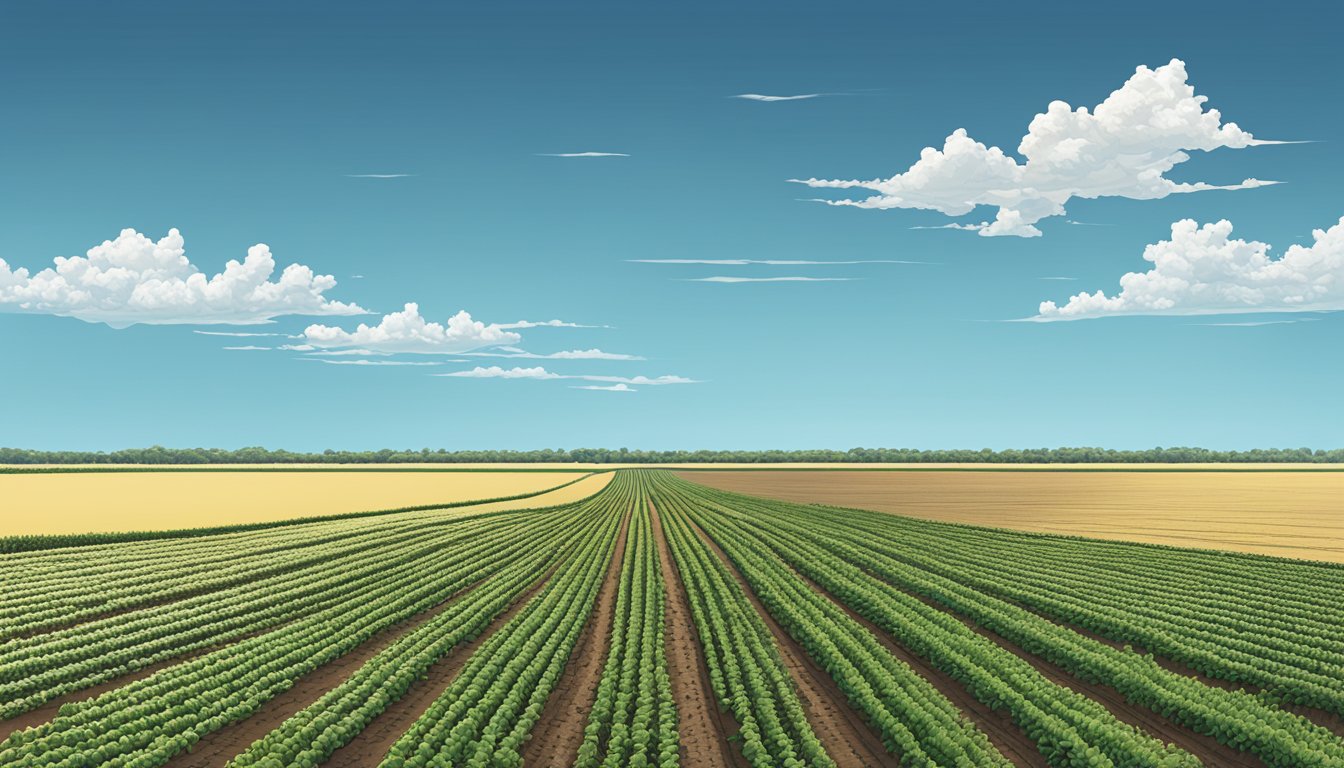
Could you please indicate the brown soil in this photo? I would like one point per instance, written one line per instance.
(48, 710)
(703, 727)
(217, 748)
(1206, 748)
(558, 734)
(1011, 741)
(371, 745)
(846, 736)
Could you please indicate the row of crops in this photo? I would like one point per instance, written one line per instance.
(180, 640)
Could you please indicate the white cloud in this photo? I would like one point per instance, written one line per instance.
(1202, 271)
(133, 279)
(763, 97)
(378, 175)
(770, 262)
(238, 333)
(314, 352)
(1056, 278)
(496, 372)
(582, 154)
(406, 331)
(722, 279)
(571, 354)
(1122, 148)
(612, 388)
(248, 348)
(366, 362)
(965, 227)
(525, 324)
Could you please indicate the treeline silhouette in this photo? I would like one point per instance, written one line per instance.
(256, 455)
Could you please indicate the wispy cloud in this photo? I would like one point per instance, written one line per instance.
(1087, 223)
(1248, 324)
(791, 279)
(963, 227)
(538, 372)
(571, 354)
(770, 262)
(1056, 278)
(248, 348)
(525, 324)
(612, 388)
(378, 175)
(582, 154)
(368, 362)
(314, 352)
(764, 97)
(238, 333)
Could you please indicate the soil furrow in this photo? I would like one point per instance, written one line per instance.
(704, 728)
(557, 736)
(844, 733)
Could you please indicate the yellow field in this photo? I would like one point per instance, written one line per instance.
(138, 501)
(1285, 514)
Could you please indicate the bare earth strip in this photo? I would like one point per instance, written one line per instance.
(371, 745)
(703, 727)
(848, 739)
(1287, 514)
(1011, 741)
(214, 750)
(557, 736)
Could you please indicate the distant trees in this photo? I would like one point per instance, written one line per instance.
(258, 455)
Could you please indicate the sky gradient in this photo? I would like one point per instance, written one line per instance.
(424, 153)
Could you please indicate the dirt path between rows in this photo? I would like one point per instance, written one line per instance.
(1006, 736)
(843, 732)
(215, 749)
(1328, 720)
(371, 745)
(704, 729)
(49, 710)
(558, 734)
(1206, 748)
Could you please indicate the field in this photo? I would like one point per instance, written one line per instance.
(658, 621)
(78, 502)
(1288, 514)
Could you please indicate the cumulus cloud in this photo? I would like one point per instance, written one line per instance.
(134, 279)
(723, 279)
(1121, 148)
(582, 154)
(1204, 271)
(406, 331)
(571, 354)
(496, 372)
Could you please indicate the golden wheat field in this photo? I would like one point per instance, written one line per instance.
(1288, 514)
(133, 501)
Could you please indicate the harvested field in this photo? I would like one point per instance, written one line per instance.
(139, 501)
(1298, 515)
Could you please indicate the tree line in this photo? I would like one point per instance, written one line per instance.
(257, 455)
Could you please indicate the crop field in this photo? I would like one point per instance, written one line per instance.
(1297, 514)
(657, 621)
(84, 502)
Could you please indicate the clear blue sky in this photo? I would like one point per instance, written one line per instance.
(247, 123)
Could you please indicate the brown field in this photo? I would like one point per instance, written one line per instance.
(137, 501)
(582, 467)
(1298, 515)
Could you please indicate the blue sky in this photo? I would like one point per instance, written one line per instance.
(245, 124)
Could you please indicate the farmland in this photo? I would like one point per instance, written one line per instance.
(82, 502)
(653, 620)
(1298, 514)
